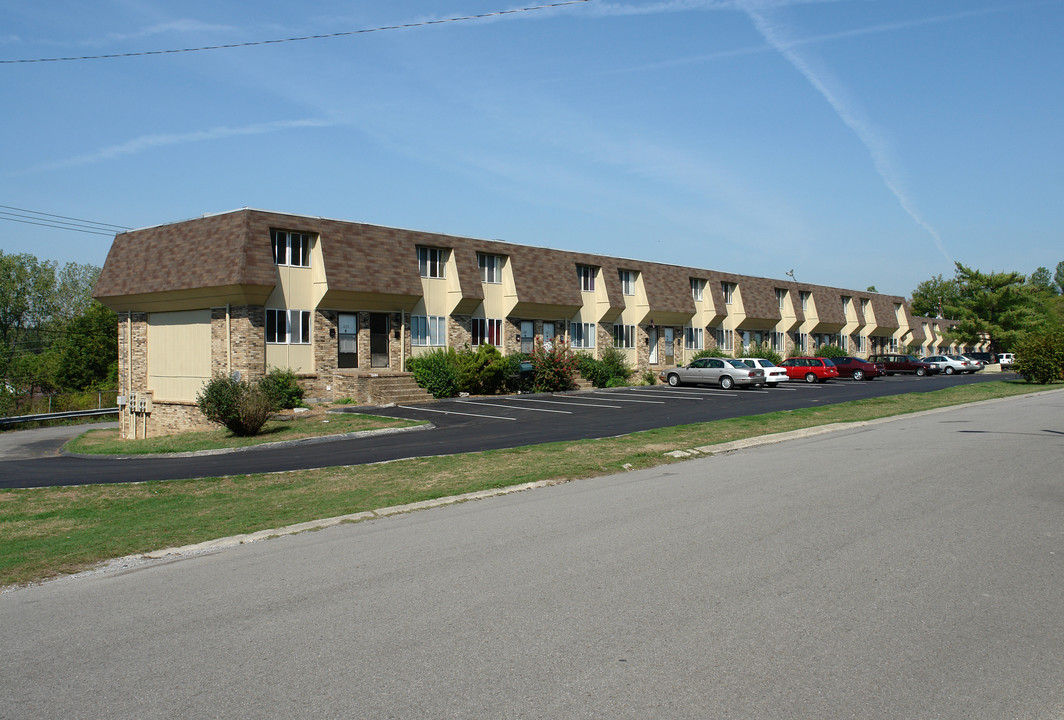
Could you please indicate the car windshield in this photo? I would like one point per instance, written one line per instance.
(736, 363)
(828, 363)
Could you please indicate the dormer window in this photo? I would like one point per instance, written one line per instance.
(728, 290)
(490, 267)
(431, 261)
(586, 274)
(291, 248)
(627, 282)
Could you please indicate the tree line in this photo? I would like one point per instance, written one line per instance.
(54, 337)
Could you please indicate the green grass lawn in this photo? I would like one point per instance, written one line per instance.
(49, 531)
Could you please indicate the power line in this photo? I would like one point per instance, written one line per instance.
(62, 222)
(404, 26)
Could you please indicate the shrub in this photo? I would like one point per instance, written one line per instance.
(282, 388)
(555, 366)
(240, 406)
(710, 352)
(764, 350)
(485, 371)
(436, 371)
(650, 377)
(512, 382)
(611, 370)
(829, 351)
(1040, 356)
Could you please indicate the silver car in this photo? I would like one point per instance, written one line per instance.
(726, 372)
(950, 364)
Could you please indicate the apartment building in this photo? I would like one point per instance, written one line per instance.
(345, 304)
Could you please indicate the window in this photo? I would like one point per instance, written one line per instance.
(697, 286)
(858, 343)
(804, 297)
(487, 331)
(587, 277)
(428, 330)
(490, 268)
(727, 288)
(692, 338)
(781, 297)
(290, 248)
(777, 342)
(627, 282)
(845, 304)
(624, 336)
(583, 334)
(288, 326)
(864, 309)
(801, 340)
(724, 338)
(431, 261)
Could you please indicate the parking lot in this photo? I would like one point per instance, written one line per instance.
(664, 403)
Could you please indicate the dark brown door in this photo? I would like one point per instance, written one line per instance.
(378, 340)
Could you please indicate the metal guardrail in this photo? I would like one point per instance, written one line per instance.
(14, 420)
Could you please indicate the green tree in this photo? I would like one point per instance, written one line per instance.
(27, 305)
(994, 306)
(88, 359)
(1042, 279)
(932, 297)
(1058, 277)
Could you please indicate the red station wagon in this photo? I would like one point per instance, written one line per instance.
(810, 369)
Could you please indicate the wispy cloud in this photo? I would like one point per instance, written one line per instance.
(145, 143)
(173, 27)
(775, 34)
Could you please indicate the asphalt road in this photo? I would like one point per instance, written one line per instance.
(471, 425)
(910, 569)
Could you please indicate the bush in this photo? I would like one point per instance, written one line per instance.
(437, 372)
(482, 372)
(611, 370)
(711, 352)
(830, 351)
(282, 388)
(1040, 356)
(555, 366)
(765, 351)
(512, 382)
(650, 377)
(242, 407)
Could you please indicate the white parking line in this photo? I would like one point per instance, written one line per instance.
(511, 407)
(673, 395)
(617, 399)
(452, 412)
(563, 402)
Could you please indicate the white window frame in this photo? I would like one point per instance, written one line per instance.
(490, 268)
(627, 281)
(428, 330)
(296, 329)
(624, 336)
(486, 331)
(431, 262)
(801, 341)
(582, 335)
(290, 248)
(725, 338)
(803, 296)
(698, 286)
(777, 341)
(727, 289)
(693, 338)
(781, 297)
(586, 273)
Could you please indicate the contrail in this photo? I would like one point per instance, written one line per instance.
(877, 147)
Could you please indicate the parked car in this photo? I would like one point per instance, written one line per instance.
(858, 369)
(950, 364)
(726, 372)
(974, 362)
(987, 358)
(774, 374)
(1006, 359)
(896, 363)
(810, 369)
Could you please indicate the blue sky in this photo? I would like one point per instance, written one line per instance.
(855, 142)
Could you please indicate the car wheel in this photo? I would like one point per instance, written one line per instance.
(771, 385)
(920, 372)
(810, 378)
(674, 380)
(949, 370)
(726, 382)
(858, 374)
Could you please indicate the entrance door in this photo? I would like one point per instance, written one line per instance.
(527, 334)
(347, 341)
(652, 341)
(378, 340)
(548, 335)
(669, 360)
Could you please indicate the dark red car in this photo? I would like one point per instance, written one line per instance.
(902, 363)
(810, 369)
(857, 368)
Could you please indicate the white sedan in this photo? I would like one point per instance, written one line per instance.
(774, 374)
